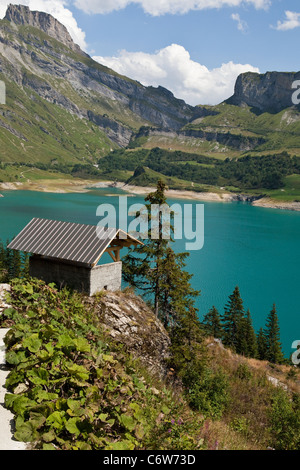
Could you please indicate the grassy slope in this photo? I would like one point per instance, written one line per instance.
(281, 132)
(50, 131)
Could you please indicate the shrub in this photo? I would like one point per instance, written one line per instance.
(285, 421)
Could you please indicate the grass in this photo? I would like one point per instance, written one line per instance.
(46, 132)
(289, 193)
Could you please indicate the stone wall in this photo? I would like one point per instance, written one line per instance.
(106, 277)
(80, 278)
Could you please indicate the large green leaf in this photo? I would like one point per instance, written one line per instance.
(18, 403)
(72, 426)
(33, 343)
(82, 345)
(128, 421)
(77, 371)
(26, 432)
(57, 420)
(15, 357)
(121, 445)
(38, 376)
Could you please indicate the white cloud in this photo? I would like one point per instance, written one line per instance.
(292, 21)
(173, 68)
(161, 7)
(58, 9)
(241, 24)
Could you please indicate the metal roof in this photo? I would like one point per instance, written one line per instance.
(65, 240)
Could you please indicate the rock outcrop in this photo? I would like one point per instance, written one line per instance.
(22, 15)
(134, 324)
(269, 92)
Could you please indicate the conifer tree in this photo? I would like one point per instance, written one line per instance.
(232, 321)
(143, 265)
(158, 271)
(261, 345)
(274, 352)
(212, 323)
(249, 347)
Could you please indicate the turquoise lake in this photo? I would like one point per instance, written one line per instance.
(255, 248)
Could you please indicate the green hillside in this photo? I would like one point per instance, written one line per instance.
(68, 116)
(73, 386)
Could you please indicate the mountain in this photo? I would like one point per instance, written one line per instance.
(270, 92)
(64, 110)
(62, 105)
(260, 117)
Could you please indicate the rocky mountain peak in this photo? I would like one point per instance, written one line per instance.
(22, 15)
(269, 92)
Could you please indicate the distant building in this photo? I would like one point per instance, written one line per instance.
(68, 254)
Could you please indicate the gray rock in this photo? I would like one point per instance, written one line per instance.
(270, 92)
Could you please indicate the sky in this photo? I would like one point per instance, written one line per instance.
(194, 48)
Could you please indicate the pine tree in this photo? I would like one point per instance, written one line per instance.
(274, 352)
(176, 295)
(249, 348)
(212, 323)
(261, 345)
(158, 271)
(232, 321)
(143, 265)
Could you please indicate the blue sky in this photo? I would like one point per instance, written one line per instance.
(195, 48)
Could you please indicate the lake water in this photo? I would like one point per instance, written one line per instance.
(255, 248)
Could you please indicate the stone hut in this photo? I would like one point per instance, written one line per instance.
(68, 254)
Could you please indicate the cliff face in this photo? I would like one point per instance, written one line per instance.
(271, 92)
(22, 15)
(38, 55)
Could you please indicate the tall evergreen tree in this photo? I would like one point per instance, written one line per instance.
(261, 345)
(232, 321)
(143, 265)
(176, 294)
(249, 343)
(212, 323)
(158, 271)
(274, 352)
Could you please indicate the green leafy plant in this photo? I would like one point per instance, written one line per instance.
(70, 386)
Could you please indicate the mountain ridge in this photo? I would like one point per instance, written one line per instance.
(38, 55)
(21, 14)
(64, 107)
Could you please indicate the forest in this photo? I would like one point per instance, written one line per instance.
(248, 172)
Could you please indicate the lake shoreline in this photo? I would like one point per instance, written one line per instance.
(83, 186)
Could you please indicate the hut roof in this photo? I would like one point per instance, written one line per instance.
(79, 243)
